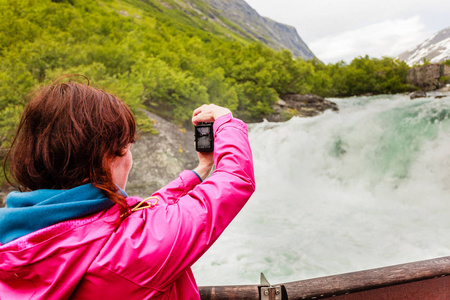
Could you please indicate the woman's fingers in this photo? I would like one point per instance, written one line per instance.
(203, 114)
(208, 113)
(203, 117)
(199, 110)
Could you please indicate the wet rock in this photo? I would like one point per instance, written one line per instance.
(308, 105)
(417, 94)
(445, 89)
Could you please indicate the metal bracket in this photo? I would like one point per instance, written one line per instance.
(269, 292)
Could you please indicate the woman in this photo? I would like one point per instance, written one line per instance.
(74, 233)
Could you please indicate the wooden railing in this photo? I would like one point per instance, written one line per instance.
(429, 279)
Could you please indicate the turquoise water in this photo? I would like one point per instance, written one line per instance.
(363, 188)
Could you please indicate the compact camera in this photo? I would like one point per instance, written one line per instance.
(204, 137)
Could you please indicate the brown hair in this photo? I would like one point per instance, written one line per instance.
(67, 136)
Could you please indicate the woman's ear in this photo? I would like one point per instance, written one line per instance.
(120, 168)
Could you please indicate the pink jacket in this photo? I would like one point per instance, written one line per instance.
(149, 253)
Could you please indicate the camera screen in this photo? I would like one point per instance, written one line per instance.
(204, 139)
(204, 142)
(203, 130)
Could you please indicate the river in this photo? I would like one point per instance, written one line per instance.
(366, 187)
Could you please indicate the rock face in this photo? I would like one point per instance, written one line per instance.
(158, 159)
(3, 194)
(300, 105)
(269, 32)
(429, 77)
(445, 89)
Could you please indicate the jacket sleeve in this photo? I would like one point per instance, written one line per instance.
(178, 188)
(161, 243)
(200, 216)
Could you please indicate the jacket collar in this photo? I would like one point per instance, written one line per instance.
(26, 212)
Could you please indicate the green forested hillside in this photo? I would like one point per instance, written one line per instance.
(164, 57)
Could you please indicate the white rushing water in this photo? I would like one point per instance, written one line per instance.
(363, 188)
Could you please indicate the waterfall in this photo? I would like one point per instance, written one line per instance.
(366, 187)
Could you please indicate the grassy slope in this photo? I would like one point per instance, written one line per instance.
(167, 56)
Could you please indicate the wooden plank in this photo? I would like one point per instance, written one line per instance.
(431, 289)
(242, 292)
(369, 279)
(427, 276)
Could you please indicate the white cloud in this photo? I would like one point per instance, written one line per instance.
(387, 38)
(336, 30)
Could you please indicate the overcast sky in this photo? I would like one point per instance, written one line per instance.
(337, 30)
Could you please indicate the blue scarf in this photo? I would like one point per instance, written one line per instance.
(27, 212)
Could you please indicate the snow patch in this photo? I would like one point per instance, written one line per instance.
(435, 49)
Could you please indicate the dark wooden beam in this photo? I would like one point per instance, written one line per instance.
(399, 276)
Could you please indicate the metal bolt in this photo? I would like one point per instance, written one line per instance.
(266, 292)
(277, 292)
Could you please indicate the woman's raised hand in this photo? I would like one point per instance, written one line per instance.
(208, 113)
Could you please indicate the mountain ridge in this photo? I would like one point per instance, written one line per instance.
(435, 49)
(239, 17)
(266, 30)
